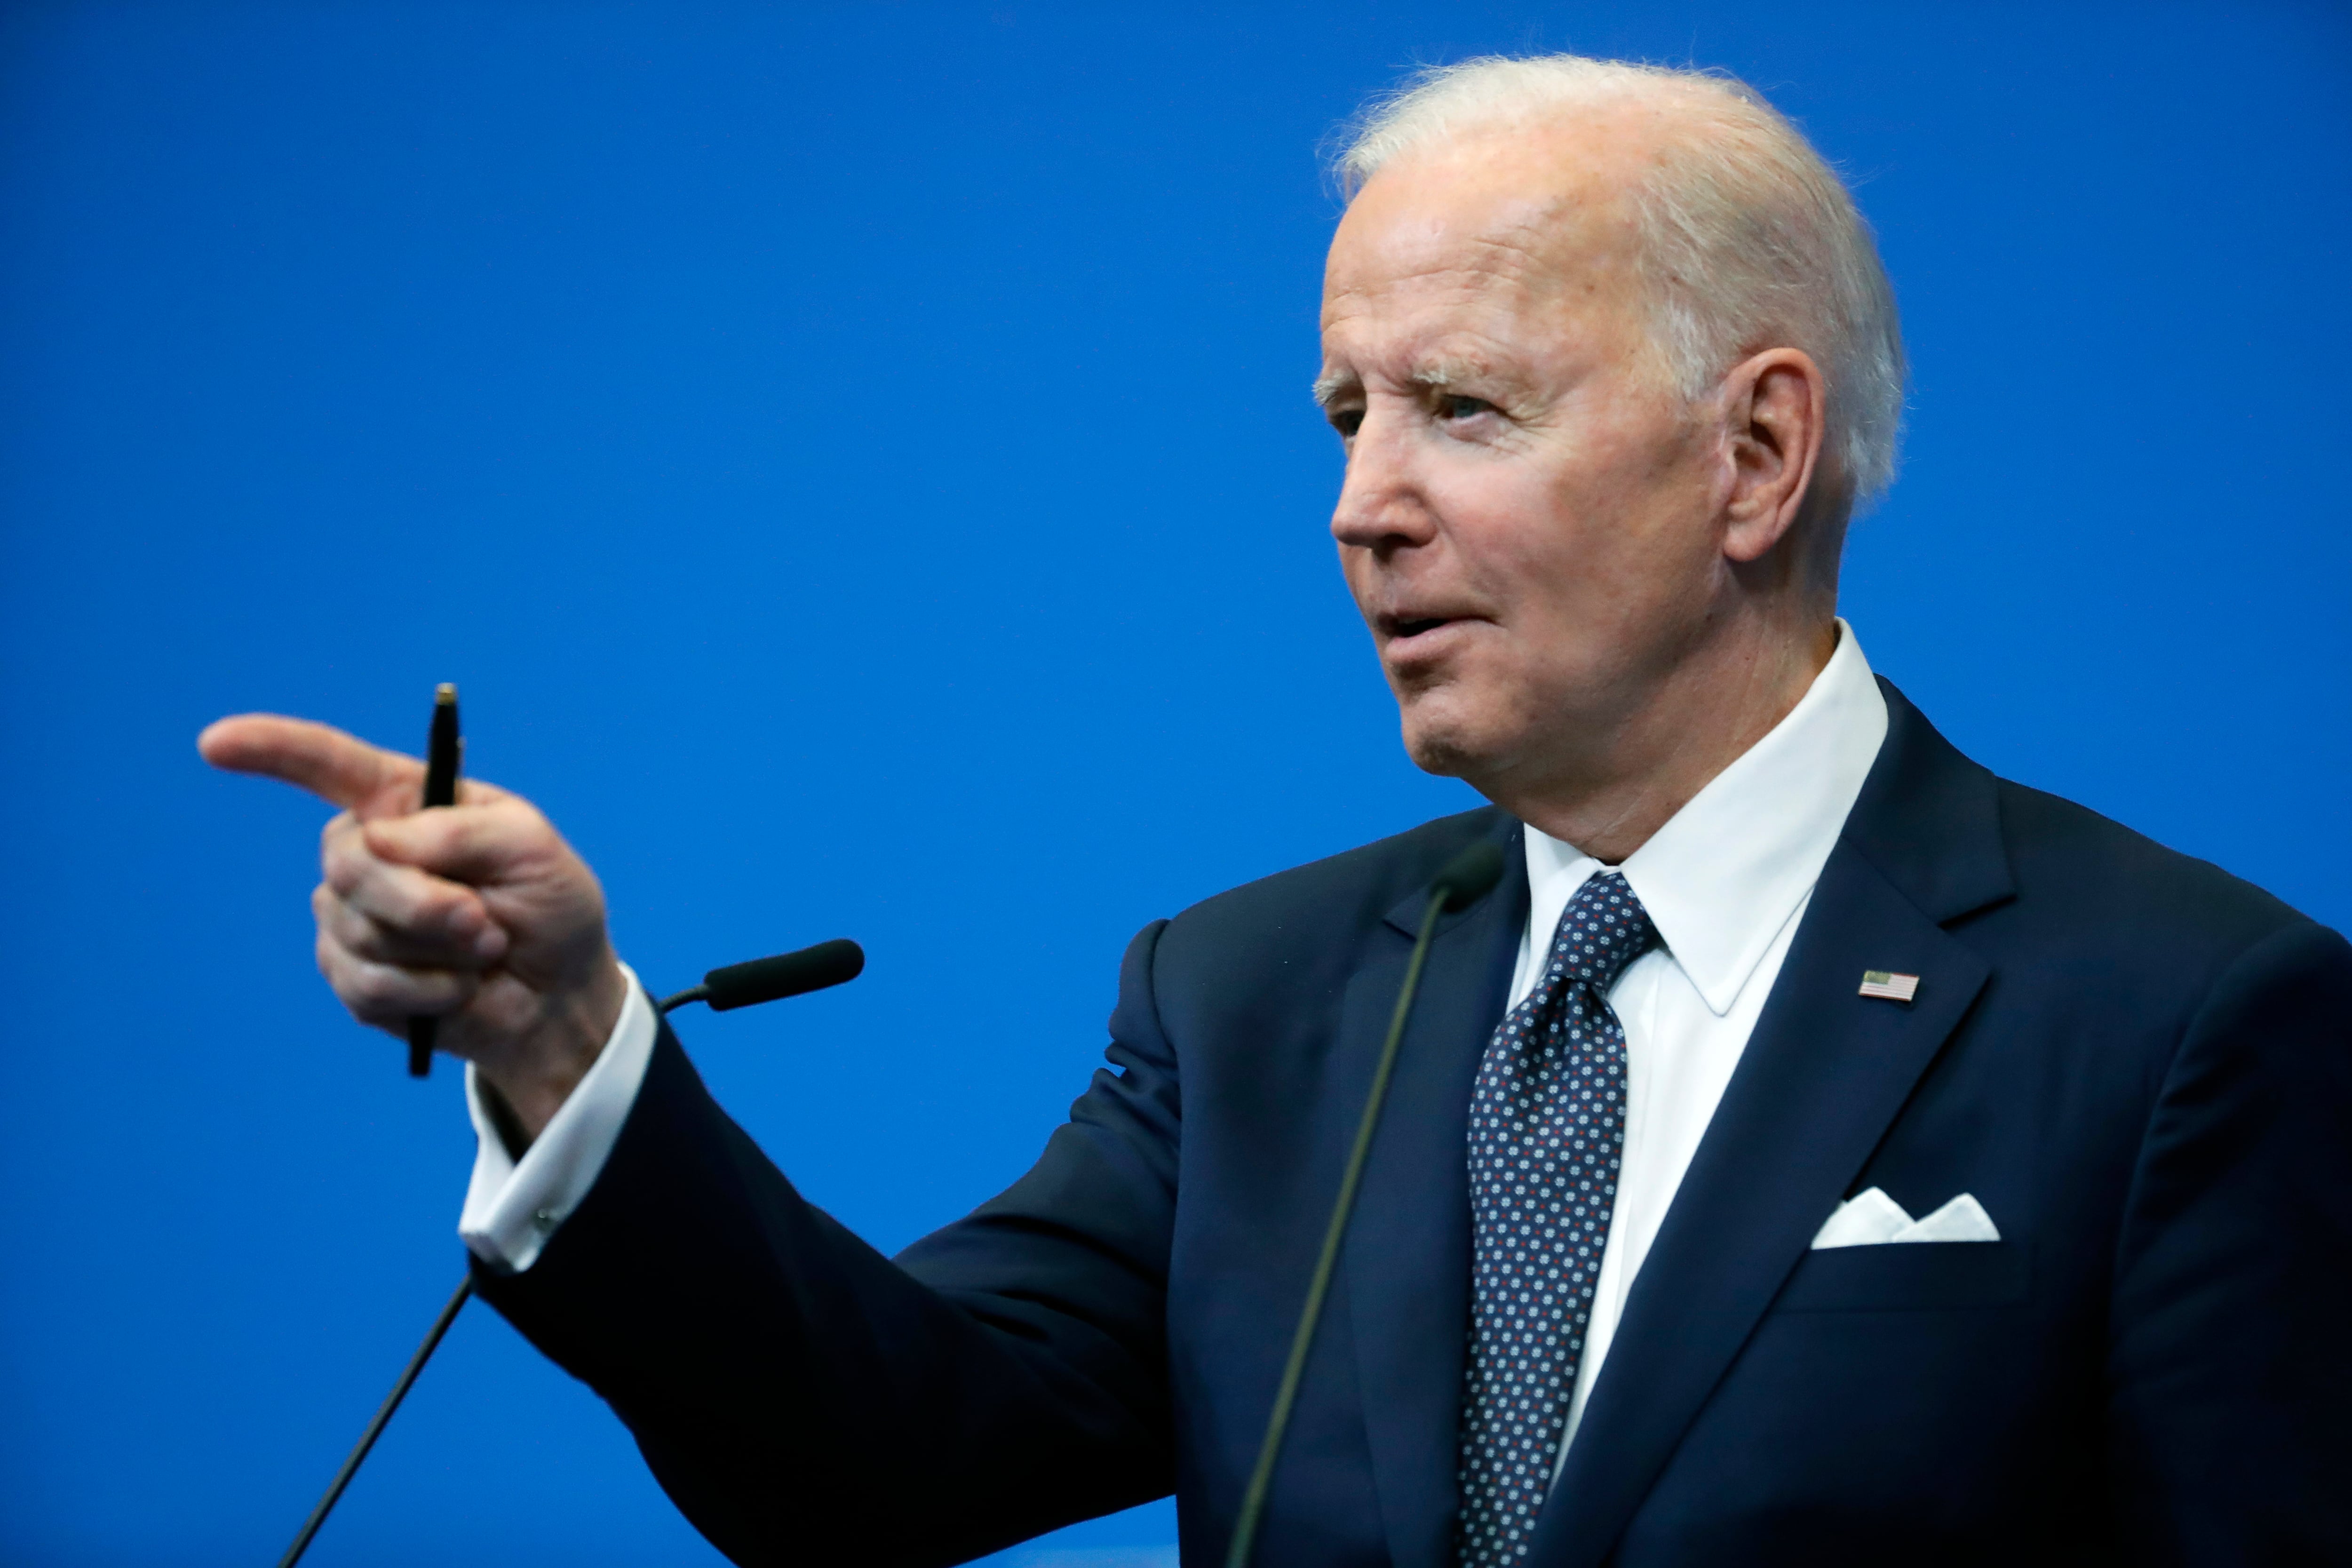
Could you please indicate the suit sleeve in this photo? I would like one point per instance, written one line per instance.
(804, 1399)
(2229, 1370)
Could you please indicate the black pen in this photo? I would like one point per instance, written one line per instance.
(442, 749)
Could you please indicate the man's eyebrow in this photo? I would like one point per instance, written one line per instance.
(1435, 375)
(1439, 373)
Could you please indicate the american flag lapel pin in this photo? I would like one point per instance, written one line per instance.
(1886, 983)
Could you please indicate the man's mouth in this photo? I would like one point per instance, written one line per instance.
(1399, 628)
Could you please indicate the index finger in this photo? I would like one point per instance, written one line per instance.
(319, 758)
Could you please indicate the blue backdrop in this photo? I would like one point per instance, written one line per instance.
(857, 463)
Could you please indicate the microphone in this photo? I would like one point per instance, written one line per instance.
(736, 985)
(1463, 881)
(834, 962)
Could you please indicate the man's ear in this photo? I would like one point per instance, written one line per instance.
(1773, 414)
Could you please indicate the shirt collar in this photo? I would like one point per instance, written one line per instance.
(1728, 870)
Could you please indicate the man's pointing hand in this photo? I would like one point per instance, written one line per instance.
(477, 913)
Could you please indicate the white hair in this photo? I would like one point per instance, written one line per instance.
(1749, 239)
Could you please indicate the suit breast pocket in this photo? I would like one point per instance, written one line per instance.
(1908, 1277)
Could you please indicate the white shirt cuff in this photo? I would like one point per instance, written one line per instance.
(513, 1206)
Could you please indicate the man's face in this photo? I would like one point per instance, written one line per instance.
(1529, 521)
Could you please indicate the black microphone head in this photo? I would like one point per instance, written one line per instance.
(786, 974)
(1469, 876)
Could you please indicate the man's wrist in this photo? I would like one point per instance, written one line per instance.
(523, 1189)
(539, 1075)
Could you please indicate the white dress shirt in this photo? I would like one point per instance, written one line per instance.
(1725, 881)
(513, 1205)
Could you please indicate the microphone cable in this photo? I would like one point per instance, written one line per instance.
(1465, 879)
(736, 985)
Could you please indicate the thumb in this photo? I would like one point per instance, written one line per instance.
(479, 844)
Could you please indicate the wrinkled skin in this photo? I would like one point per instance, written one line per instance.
(1588, 595)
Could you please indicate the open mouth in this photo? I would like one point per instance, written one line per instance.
(1404, 628)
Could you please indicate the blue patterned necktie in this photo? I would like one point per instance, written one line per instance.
(1546, 1126)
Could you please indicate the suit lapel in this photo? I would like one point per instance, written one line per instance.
(1408, 1249)
(1823, 1075)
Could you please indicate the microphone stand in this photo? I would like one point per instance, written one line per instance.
(375, 1427)
(736, 985)
(1466, 879)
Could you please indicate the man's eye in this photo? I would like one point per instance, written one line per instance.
(1346, 421)
(1454, 406)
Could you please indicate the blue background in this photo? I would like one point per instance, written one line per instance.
(857, 463)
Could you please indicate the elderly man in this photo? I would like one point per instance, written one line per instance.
(1814, 1150)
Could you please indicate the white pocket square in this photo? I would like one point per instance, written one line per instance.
(1868, 1219)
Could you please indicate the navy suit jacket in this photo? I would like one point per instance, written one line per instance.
(2140, 1066)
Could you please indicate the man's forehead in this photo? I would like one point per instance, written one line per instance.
(1465, 293)
(1532, 212)
(1428, 238)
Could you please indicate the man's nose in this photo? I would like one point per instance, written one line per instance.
(1382, 505)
